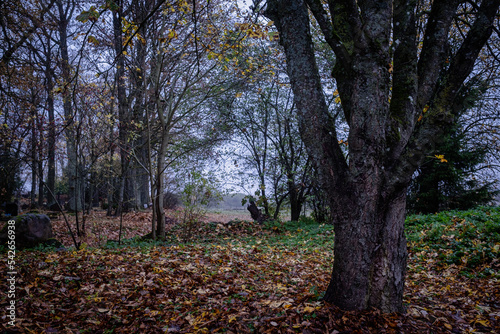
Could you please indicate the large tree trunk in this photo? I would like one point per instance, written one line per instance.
(389, 135)
(370, 256)
(370, 248)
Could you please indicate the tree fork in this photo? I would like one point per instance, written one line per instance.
(367, 191)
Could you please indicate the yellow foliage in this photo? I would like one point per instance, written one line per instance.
(440, 157)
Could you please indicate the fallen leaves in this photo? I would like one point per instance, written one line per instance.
(235, 281)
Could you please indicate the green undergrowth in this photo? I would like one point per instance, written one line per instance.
(305, 235)
(468, 240)
(302, 236)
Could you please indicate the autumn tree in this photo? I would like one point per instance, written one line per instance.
(396, 87)
(187, 71)
(262, 117)
(21, 94)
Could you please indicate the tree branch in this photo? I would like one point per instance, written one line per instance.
(434, 50)
(326, 26)
(441, 113)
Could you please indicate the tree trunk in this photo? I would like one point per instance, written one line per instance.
(34, 169)
(160, 188)
(122, 110)
(396, 100)
(40, 183)
(71, 169)
(296, 200)
(370, 249)
(295, 210)
(256, 214)
(51, 163)
(370, 256)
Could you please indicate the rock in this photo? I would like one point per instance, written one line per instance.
(30, 230)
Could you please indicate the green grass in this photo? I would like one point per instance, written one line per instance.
(468, 239)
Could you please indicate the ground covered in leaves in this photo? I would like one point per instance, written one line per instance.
(237, 277)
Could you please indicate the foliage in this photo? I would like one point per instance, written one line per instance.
(469, 240)
(451, 184)
(245, 278)
(198, 192)
(451, 179)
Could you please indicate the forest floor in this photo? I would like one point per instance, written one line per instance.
(233, 276)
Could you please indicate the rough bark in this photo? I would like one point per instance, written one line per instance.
(71, 147)
(122, 110)
(370, 257)
(387, 139)
(51, 163)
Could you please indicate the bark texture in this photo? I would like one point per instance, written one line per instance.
(384, 85)
(70, 132)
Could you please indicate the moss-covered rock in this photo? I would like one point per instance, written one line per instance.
(27, 231)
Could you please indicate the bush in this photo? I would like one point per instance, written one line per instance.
(198, 192)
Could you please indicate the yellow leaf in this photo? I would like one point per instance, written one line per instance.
(441, 158)
(239, 94)
(309, 309)
(485, 323)
(172, 34)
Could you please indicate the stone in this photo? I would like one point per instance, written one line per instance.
(31, 229)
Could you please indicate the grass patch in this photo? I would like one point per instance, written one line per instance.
(467, 239)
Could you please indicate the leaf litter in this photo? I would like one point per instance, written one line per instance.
(236, 277)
